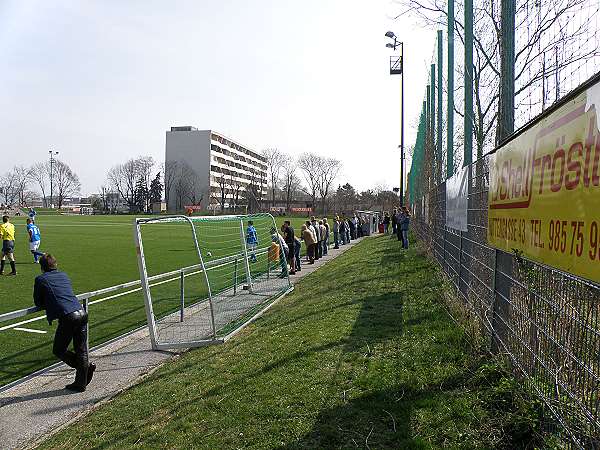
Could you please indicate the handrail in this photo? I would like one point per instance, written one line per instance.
(87, 295)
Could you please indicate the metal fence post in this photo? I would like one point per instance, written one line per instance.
(268, 266)
(501, 306)
(86, 307)
(182, 294)
(235, 279)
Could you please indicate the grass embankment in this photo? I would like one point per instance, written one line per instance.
(361, 355)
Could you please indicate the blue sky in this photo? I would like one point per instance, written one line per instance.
(101, 81)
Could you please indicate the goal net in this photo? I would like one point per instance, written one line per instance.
(205, 278)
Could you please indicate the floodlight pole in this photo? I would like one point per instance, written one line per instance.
(52, 153)
(397, 68)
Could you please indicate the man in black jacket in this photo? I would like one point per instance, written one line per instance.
(53, 292)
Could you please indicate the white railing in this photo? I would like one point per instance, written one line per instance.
(133, 286)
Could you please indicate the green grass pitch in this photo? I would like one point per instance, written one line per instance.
(97, 252)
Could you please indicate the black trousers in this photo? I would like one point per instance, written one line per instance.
(72, 327)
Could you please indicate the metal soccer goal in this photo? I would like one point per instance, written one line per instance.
(204, 278)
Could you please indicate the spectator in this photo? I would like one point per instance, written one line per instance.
(336, 232)
(404, 225)
(386, 222)
(290, 241)
(322, 234)
(326, 232)
(317, 231)
(343, 230)
(53, 292)
(297, 246)
(394, 220)
(348, 230)
(278, 239)
(312, 230)
(309, 241)
(359, 226)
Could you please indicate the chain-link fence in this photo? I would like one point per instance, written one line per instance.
(546, 321)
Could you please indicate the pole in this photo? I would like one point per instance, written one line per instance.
(506, 122)
(402, 126)
(181, 294)
(468, 127)
(450, 125)
(51, 178)
(440, 58)
(432, 125)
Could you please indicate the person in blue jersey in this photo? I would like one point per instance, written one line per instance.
(251, 240)
(34, 239)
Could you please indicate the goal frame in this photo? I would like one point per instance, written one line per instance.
(201, 266)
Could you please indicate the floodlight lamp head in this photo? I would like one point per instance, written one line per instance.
(388, 45)
(390, 34)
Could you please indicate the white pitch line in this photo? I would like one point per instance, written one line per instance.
(30, 330)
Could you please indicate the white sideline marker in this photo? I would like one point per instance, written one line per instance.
(30, 330)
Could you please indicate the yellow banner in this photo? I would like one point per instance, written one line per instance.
(544, 196)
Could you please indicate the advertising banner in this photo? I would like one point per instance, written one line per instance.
(544, 195)
(457, 195)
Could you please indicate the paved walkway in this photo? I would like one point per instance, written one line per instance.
(29, 412)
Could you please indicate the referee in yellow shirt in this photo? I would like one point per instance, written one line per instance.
(7, 233)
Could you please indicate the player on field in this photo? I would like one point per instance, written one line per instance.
(31, 214)
(7, 233)
(251, 240)
(34, 239)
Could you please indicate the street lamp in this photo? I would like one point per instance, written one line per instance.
(397, 68)
(52, 153)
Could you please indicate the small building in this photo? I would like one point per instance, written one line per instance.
(159, 207)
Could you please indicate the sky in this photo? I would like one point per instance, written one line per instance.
(102, 81)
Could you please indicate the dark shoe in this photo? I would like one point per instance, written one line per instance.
(292, 273)
(75, 387)
(12, 273)
(91, 370)
(298, 270)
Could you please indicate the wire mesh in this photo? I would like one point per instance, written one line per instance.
(243, 271)
(546, 321)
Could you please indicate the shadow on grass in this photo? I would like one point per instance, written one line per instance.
(377, 420)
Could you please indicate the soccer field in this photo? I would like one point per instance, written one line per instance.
(98, 252)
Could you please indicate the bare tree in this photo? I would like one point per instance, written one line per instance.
(39, 174)
(291, 181)
(123, 178)
(254, 190)
(540, 35)
(185, 183)
(310, 165)
(235, 188)
(145, 165)
(7, 187)
(104, 198)
(67, 181)
(222, 182)
(275, 161)
(330, 168)
(20, 176)
(170, 175)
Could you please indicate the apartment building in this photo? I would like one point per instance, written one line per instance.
(207, 169)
